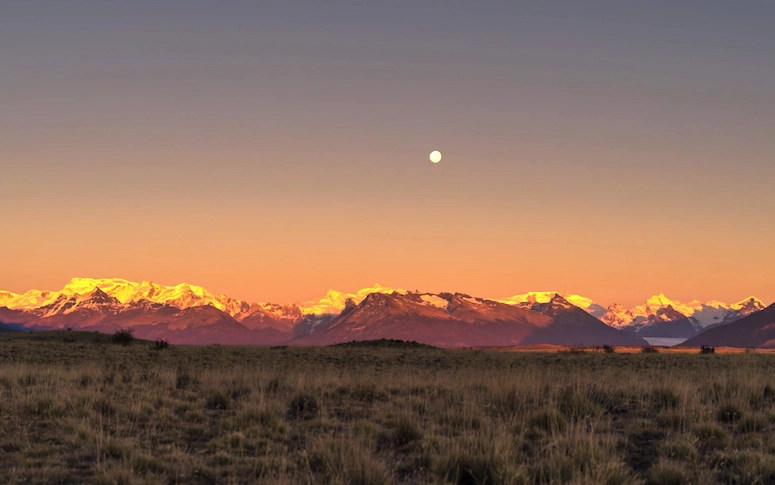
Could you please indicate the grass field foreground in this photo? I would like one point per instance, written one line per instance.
(76, 408)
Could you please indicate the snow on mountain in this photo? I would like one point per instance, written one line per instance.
(182, 296)
(335, 301)
(582, 302)
(658, 316)
(463, 321)
(434, 300)
(94, 300)
(617, 315)
(756, 330)
(30, 300)
(124, 292)
(747, 306)
(660, 308)
(6, 296)
(573, 325)
(290, 312)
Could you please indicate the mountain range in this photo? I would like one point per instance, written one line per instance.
(190, 314)
(660, 316)
(458, 320)
(757, 330)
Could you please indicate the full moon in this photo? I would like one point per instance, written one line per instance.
(435, 156)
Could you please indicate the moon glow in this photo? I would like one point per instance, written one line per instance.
(435, 156)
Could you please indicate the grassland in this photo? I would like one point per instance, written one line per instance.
(75, 408)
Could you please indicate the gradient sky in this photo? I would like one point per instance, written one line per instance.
(273, 150)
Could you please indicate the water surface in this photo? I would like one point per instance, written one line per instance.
(664, 341)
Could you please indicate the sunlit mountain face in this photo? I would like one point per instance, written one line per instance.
(191, 314)
(545, 296)
(660, 316)
(756, 330)
(458, 320)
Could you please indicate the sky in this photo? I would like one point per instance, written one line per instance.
(271, 151)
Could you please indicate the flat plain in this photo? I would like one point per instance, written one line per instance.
(76, 408)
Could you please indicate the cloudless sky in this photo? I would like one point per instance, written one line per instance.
(273, 150)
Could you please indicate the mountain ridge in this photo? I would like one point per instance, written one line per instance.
(189, 314)
(756, 330)
(110, 300)
(459, 320)
(661, 316)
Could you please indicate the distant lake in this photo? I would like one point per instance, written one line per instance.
(660, 341)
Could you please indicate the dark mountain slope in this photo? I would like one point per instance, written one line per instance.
(457, 320)
(571, 325)
(755, 330)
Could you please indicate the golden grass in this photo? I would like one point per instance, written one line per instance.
(74, 408)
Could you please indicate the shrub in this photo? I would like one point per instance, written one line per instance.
(273, 386)
(303, 406)
(366, 394)
(238, 390)
(405, 433)
(666, 475)
(385, 343)
(761, 400)
(665, 398)
(147, 464)
(648, 349)
(711, 437)
(609, 349)
(707, 431)
(680, 450)
(744, 467)
(753, 424)
(707, 350)
(182, 378)
(673, 420)
(124, 336)
(44, 406)
(104, 406)
(551, 421)
(578, 407)
(343, 462)
(729, 413)
(160, 344)
(479, 468)
(217, 399)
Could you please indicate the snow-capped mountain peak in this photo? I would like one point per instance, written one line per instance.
(124, 292)
(6, 296)
(750, 304)
(335, 301)
(113, 295)
(582, 302)
(659, 309)
(659, 301)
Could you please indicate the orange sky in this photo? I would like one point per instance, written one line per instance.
(445, 227)
(273, 162)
